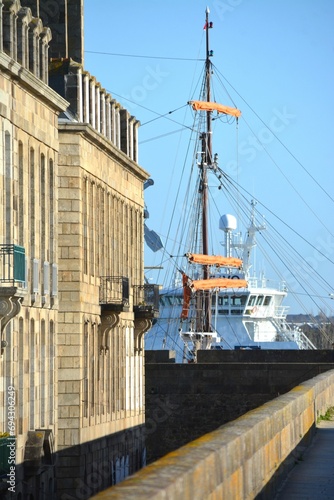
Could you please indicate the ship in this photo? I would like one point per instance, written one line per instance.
(216, 300)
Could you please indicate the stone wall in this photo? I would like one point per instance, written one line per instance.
(93, 466)
(246, 458)
(185, 401)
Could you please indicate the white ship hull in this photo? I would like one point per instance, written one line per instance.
(251, 319)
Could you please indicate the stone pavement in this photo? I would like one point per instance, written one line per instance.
(313, 477)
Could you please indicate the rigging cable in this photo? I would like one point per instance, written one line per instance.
(276, 248)
(229, 179)
(165, 115)
(288, 181)
(175, 203)
(232, 184)
(282, 144)
(286, 258)
(141, 56)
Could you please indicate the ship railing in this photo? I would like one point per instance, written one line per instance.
(304, 342)
(257, 282)
(299, 337)
(293, 334)
(281, 311)
(266, 283)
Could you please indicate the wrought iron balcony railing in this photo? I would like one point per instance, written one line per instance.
(146, 300)
(12, 265)
(114, 293)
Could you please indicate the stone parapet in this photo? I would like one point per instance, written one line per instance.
(24, 38)
(242, 459)
(65, 18)
(91, 104)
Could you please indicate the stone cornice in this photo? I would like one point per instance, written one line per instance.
(35, 86)
(103, 143)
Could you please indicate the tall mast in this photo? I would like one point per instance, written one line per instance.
(207, 143)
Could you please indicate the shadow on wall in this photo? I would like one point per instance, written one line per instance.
(76, 472)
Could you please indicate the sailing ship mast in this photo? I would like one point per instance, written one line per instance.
(205, 165)
(201, 289)
(203, 275)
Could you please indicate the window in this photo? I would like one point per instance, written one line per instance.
(21, 197)
(223, 301)
(52, 220)
(32, 213)
(252, 300)
(8, 195)
(35, 276)
(259, 300)
(238, 300)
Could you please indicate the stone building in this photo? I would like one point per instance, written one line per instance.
(29, 146)
(73, 304)
(101, 276)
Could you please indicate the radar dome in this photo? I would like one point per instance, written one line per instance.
(227, 222)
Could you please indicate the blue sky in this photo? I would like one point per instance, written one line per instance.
(275, 57)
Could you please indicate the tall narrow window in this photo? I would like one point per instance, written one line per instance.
(8, 188)
(21, 196)
(124, 232)
(51, 211)
(85, 224)
(100, 371)
(126, 248)
(92, 395)
(98, 214)
(85, 374)
(21, 405)
(108, 371)
(122, 357)
(131, 247)
(52, 230)
(92, 229)
(101, 247)
(32, 214)
(42, 195)
(108, 235)
(44, 237)
(43, 373)
(32, 223)
(115, 369)
(32, 353)
(118, 237)
(51, 372)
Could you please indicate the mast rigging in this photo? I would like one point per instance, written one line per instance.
(205, 164)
